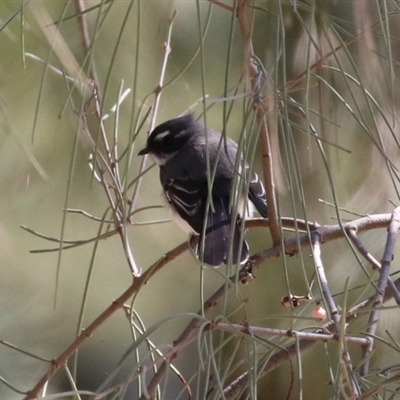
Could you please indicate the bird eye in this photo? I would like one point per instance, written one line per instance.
(169, 141)
(173, 139)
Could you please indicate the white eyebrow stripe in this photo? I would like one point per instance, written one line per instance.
(161, 135)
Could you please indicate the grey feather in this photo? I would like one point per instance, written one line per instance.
(181, 148)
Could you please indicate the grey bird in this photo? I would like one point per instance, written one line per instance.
(178, 146)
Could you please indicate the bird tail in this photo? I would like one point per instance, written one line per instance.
(217, 237)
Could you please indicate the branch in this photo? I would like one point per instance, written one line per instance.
(86, 333)
(186, 336)
(376, 265)
(157, 92)
(382, 283)
(316, 251)
(326, 233)
(315, 336)
(257, 85)
(235, 387)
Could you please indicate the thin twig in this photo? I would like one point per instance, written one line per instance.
(154, 111)
(289, 352)
(327, 233)
(256, 82)
(222, 5)
(382, 282)
(317, 336)
(372, 260)
(316, 251)
(188, 334)
(86, 333)
(107, 164)
(290, 84)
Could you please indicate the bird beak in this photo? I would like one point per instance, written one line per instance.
(146, 150)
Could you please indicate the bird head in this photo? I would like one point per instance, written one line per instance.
(168, 138)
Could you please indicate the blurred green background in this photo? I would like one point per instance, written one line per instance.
(35, 167)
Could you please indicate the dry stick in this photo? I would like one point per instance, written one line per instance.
(157, 92)
(260, 109)
(222, 5)
(376, 265)
(235, 387)
(316, 251)
(84, 29)
(382, 282)
(315, 336)
(186, 337)
(291, 246)
(319, 267)
(157, 98)
(267, 165)
(327, 233)
(190, 334)
(80, 8)
(347, 43)
(83, 26)
(59, 362)
(275, 233)
(119, 224)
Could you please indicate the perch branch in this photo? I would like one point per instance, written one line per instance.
(327, 233)
(291, 246)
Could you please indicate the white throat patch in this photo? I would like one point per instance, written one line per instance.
(162, 158)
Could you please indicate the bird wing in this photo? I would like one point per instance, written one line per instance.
(257, 195)
(188, 198)
(185, 186)
(256, 192)
(183, 195)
